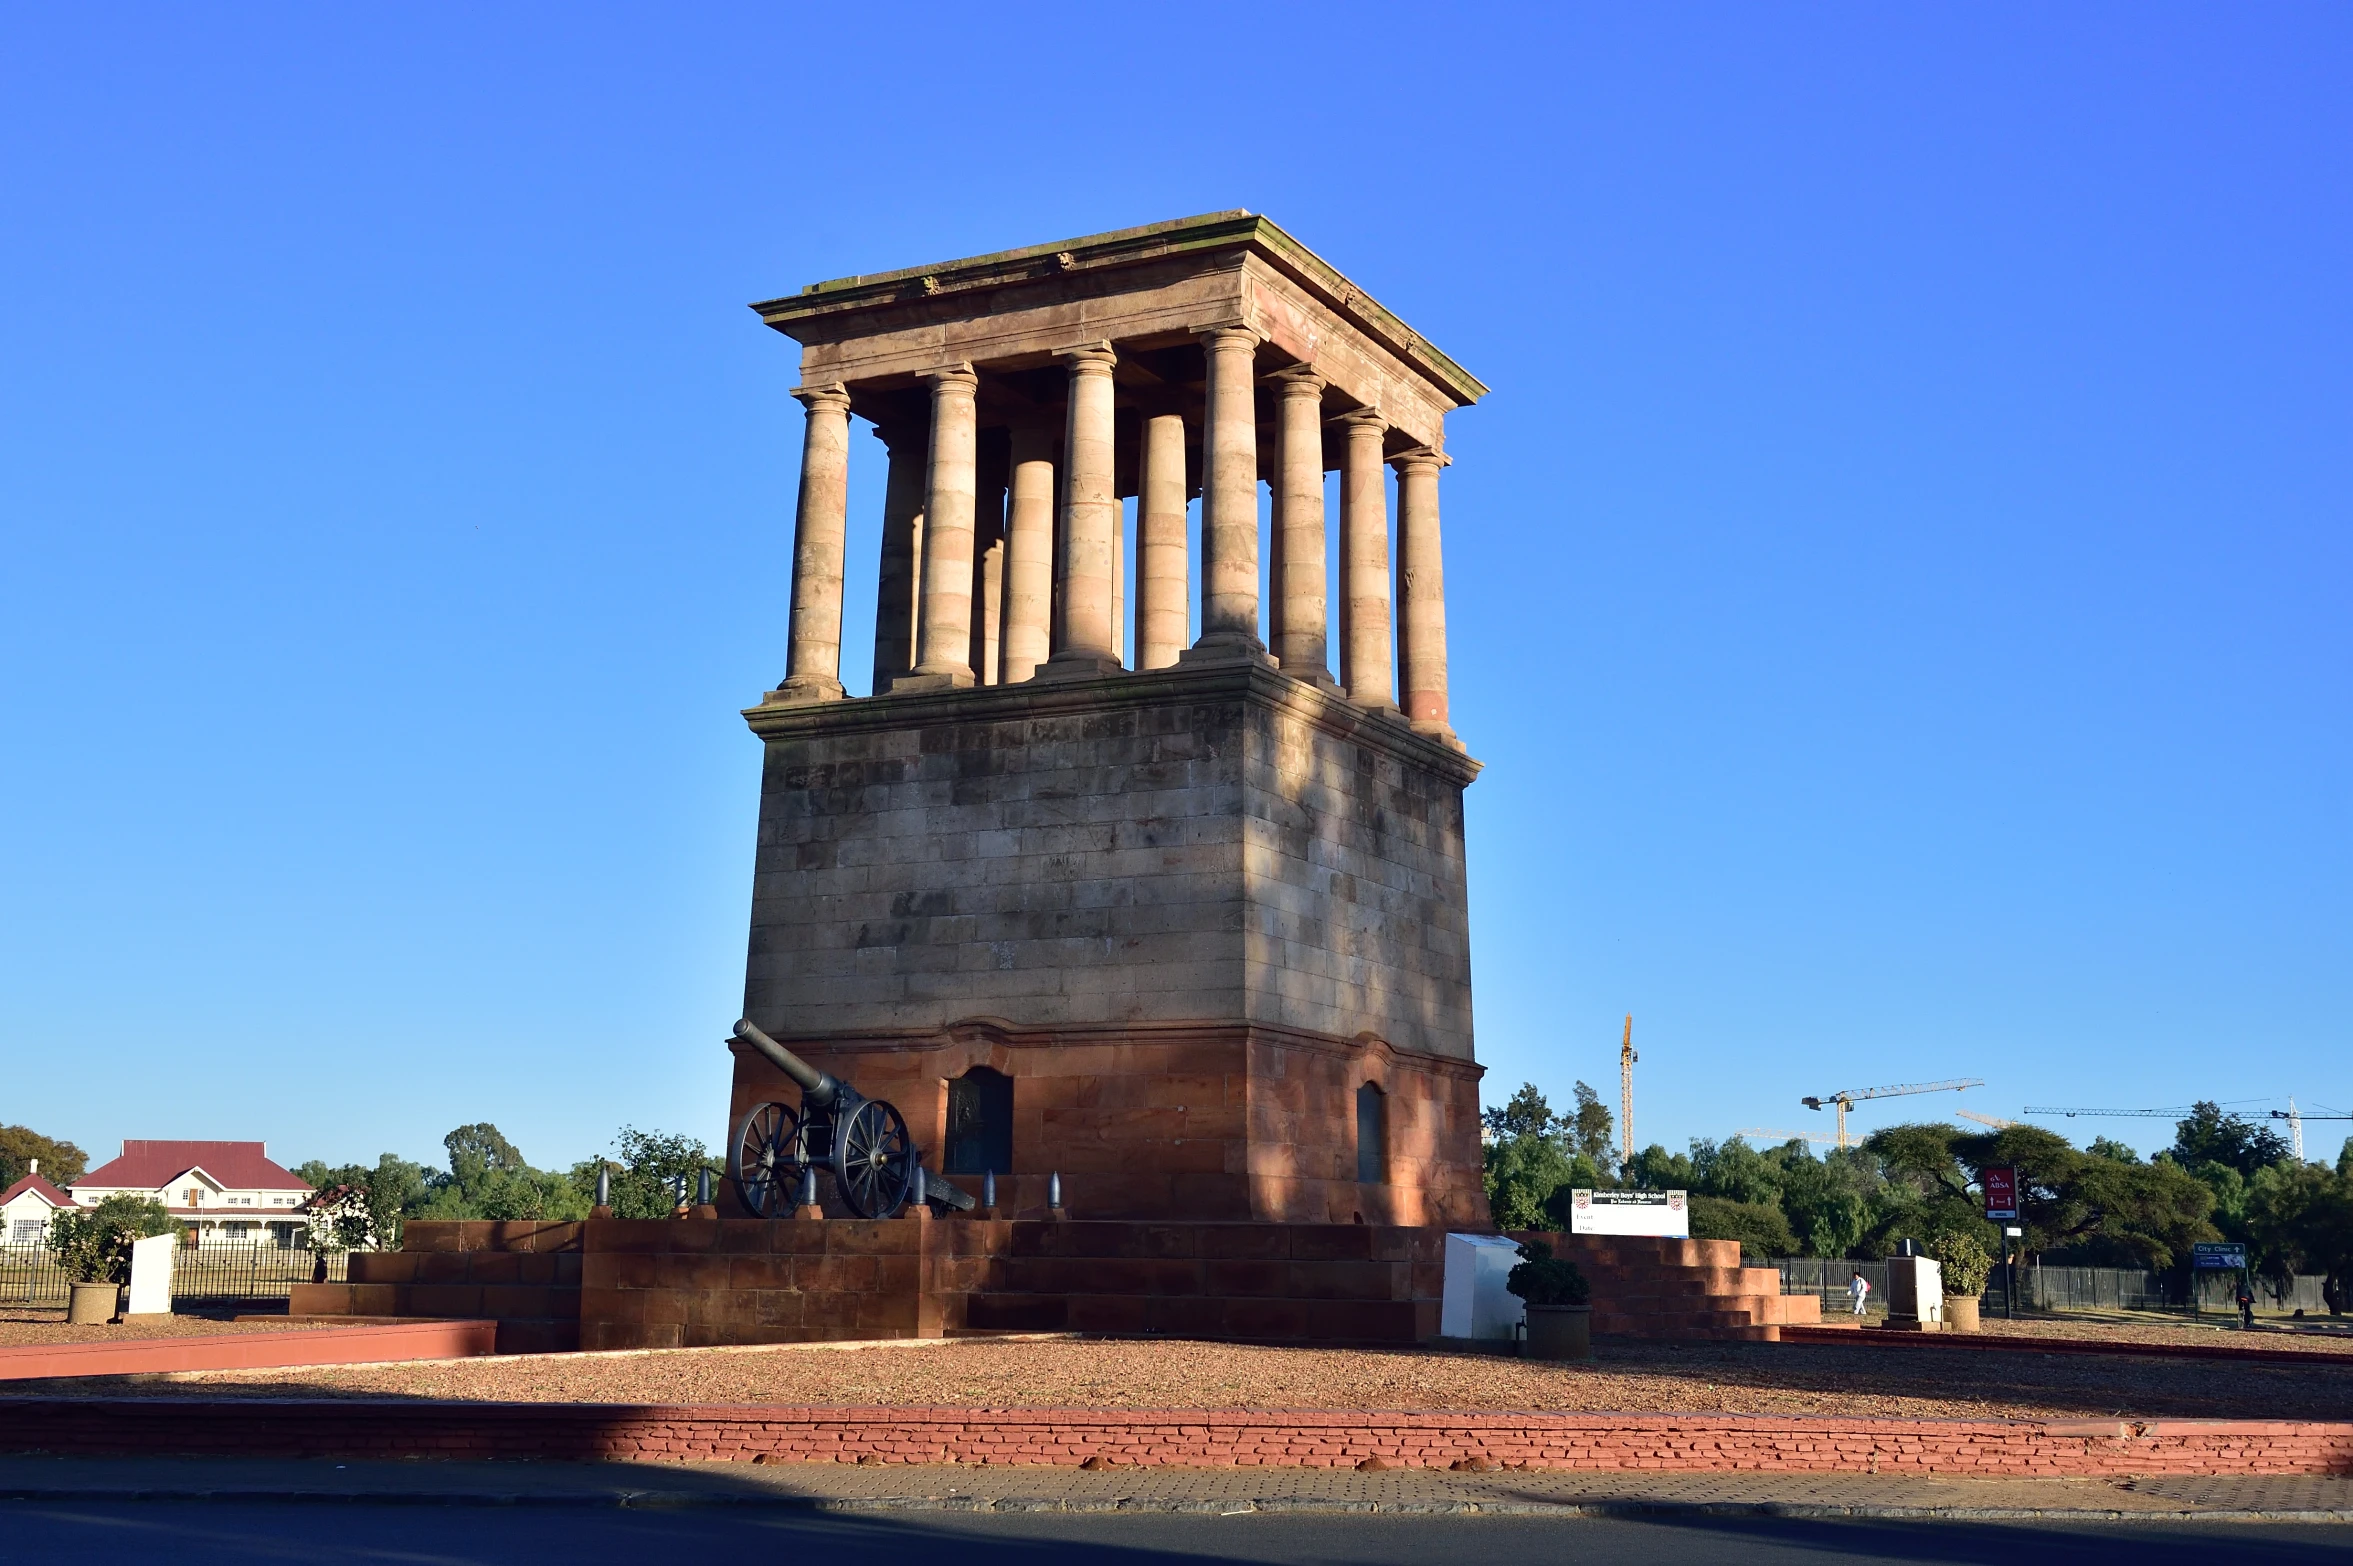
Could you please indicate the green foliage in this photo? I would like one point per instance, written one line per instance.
(1525, 1115)
(2112, 1150)
(62, 1163)
(1760, 1227)
(1590, 1128)
(1735, 1171)
(1541, 1278)
(93, 1244)
(359, 1207)
(1656, 1169)
(2300, 1219)
(1522, 1174)
(2211, 1137)
(488, 1177)
(646, 1167)
(1960, 1250)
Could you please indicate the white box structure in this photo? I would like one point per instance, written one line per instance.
(151, 1275)
(1474, 1302)
(1663, 1213)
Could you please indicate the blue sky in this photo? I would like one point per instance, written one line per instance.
(1897, 585)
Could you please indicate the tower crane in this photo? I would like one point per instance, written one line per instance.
(1995, 1121)
(2295, 1119)
(1626, 1059)
(1848, 1098)
(2180, 1113)
(1782, 1136)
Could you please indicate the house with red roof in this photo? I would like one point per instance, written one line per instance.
(27, 1206)
(223, 1191)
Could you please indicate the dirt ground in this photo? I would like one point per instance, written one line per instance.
(1069, 1372)
(22, 1325)
(2215, 1331)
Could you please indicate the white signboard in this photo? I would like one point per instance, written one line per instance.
(151, 1275)
(1665, 1213)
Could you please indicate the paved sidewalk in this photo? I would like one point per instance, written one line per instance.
(950, 1487)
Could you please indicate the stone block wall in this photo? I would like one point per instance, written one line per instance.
(1190, 912)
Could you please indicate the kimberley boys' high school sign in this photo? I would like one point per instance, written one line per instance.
(1630, 1212)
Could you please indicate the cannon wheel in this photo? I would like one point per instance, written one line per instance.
(766, 1161)
(877, 1162)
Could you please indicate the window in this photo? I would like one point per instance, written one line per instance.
(1372, 1135)
(26, 1231)
(980, 1123)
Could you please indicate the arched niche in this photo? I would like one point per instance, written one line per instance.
(980, 1123)
(1372, 1135)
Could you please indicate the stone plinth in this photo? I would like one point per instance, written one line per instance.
(1192, 913)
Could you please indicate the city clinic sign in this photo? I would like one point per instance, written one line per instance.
(1666, 1213)
(2001, 1192)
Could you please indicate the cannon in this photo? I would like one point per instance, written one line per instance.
(862, 1142)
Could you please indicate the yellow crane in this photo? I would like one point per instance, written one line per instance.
(1848, 1098)
(1626, 1059)
(1995, 1121)
(1781, 1136)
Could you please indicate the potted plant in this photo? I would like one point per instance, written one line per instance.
(93, 1245)
(1560, 1319)
(1966, 1264)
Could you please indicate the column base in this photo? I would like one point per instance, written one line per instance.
(803, 689)
(1078, 666)
(950, 680)
(1228, 647)
(1441, 731)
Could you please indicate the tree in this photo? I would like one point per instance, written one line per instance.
(2300, 1219)
(93, 1244)
(1591, 1126)
(1760, 1227)
(62, 1163)
(645, 1172)
(2211, 1137)
(1522, 1174)
(1526, 1114)
(362, 1208)
(477, 1152)
(1656, 1169)
(2112, 1150)
(489, 1178)
(1735, 1171)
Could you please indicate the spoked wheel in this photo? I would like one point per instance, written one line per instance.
(766, 1165)
(877, 1161)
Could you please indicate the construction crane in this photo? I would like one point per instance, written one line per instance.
(1626, 1059)
(1995, 1121)
(2111, 1114)
(2295, 1119)
(1850, 1097)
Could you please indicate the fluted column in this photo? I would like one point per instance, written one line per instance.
(899, 580)
(1229, 492)
(1364, 565)
(1303, 633)
(1160, 545)
(813, 656)
(1421, 594)
(1024, 635)
(944, 642)
(1082, 596)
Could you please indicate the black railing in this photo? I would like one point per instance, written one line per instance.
(210, 1274)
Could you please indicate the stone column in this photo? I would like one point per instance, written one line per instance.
(1364, 565)
(1023, 636)
(1160, 544)
(813, 658)
(1229, 493)
(898, 582)
(944, 642)
(1082, 597)
(1421, 594)
(1302, 626)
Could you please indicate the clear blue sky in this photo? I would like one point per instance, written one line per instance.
(1898, 583)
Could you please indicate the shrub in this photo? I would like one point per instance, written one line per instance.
(1761, 1227)
(1544, 1279)
(1964, 1259)
(94, 1245)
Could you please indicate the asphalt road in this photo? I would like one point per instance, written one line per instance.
(216, 1533)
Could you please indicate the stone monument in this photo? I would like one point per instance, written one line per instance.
(1181, 917)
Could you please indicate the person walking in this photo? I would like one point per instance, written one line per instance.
(1860, 1288)
(2246, 1304)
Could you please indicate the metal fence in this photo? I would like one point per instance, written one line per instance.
(206, 1275)
(2061, 1288)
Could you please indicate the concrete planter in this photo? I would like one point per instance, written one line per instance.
(1560, 1332)
(1960, 1313)
(92, 1304)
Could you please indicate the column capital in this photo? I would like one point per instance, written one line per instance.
(828, 395)
(1421, 457)
(1095, 358)
(952, 378)
(1362, 421)
(1299, 382)
(1225, 336)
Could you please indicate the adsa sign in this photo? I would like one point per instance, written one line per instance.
(2001, 1192)
(1665, 1213)
(2218, 1254)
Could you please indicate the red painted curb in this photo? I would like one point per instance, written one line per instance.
(1177, 1438)
(252, 1350)
(1873, 1338)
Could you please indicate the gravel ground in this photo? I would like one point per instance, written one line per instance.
(2135, 1327)
(1757, 1378)
(21, 1325)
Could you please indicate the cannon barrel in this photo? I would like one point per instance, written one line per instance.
(818, 1088)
